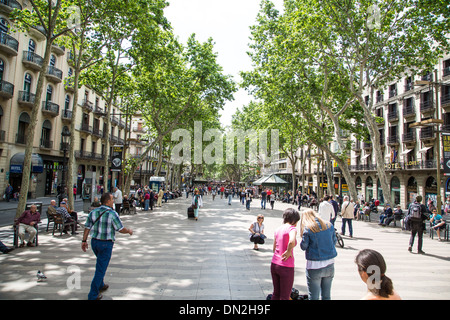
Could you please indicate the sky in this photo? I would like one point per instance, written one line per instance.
(228, 23)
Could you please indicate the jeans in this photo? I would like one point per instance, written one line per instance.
(350, 227)
(103, 252)
(416, 228)
(283, 280)
(146, 204)
(229, 199)
(263, 203)
(247, 205)
(319, 282)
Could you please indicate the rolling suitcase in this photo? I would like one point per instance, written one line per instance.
(190, 213)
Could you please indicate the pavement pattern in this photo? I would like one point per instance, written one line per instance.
(171, 257)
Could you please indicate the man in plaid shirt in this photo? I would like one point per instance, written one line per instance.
(102, 223)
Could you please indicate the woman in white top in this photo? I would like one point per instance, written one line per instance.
(257, 232)
(196, 203)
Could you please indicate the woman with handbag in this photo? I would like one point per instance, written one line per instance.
(257, 235)
(196, 203)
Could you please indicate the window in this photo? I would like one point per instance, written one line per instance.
(2, 68)
(67, 103)
(24, 121)
(49, 93)
(52, 60)
(31, 46)
(27, 83)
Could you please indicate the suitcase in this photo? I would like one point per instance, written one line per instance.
(190, 212)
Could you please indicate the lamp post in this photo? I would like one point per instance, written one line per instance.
(436, 122)
(65, 135)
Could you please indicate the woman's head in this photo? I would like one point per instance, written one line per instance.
(260, 218)
(309, 221)
(372, 269)
(291, 216)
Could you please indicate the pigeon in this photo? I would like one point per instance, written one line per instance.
(40, 276)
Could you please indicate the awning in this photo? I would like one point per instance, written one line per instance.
(160, 179)
(272, 180)
(424, 149)
(366, 156)
(407, 151)
(16, 163)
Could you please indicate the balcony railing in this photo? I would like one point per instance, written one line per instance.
(50, 107)
(426, 106)
(6, 89)
(409, 137)
(393, 115)
(9, 5)
(46, 144)
(409, 110)
(410, 165)
(446, 71)
(26, 98)
(32, 60)
(66, 114)
(392, 139)
(86, 128)
(54, 74)
(8, 44)
(427, 133)
(392, 93)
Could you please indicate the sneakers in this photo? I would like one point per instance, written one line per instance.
(419, 251)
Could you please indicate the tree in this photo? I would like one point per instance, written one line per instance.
(372, 43)
(51, 18)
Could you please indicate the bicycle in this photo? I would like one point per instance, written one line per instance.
(339, 238)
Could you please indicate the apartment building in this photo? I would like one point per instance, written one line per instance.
(409, 153)
(20, 61)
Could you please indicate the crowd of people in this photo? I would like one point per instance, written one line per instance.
(316, 233)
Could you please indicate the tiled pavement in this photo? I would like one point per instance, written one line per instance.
(172, 258)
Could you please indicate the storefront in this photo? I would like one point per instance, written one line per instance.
(411, 191)
(369, 189)
(16, 169)
(430, 190)
(395, 191)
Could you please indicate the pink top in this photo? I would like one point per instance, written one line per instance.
(282, 242)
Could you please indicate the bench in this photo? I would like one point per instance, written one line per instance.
(16, 234)
(445, 231)
(59, 223)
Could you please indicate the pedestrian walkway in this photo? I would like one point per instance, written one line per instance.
(170, 257)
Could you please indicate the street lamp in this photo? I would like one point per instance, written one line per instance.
(65, 136)
(436, 122)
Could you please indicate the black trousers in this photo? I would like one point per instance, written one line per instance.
(416, 228)
(256, 239)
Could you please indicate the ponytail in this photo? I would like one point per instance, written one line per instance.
(386, 287)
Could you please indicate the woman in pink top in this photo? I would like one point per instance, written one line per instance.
(282, 267)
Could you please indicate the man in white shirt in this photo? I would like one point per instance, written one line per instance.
(117, 199)
(326, 210)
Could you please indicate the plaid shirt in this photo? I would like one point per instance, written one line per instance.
(106, 227)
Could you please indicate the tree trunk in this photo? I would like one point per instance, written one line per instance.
(26, 171)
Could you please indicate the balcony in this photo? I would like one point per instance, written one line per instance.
(367, 145)
(87, 105)
(70, 58)
(409, 137)
(380, 98)
(66, 115)
(409, 86)
(70, 86)
(26, 99)
(86, 155)
(59, 50)
(46, 144)
(86, 128)
(122, 124)
(38, 32)
(114, 120)
(409, 111)
(50, 108)
(32, 60)
(7, 6)
(393, 116)
(446, 71)
(445, 99)
(427, 134)
(54, 74)
(393, 140)
(6, 89)
(99, 111)
(97, 132)
(426, 106)
(392, 93)
(8, 45)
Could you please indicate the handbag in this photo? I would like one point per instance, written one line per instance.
(194, 205)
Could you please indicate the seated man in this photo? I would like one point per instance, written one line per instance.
(72, 213)
(62, 210)
(387, 213)
(398, 214)
(95, 204)
(28, 223)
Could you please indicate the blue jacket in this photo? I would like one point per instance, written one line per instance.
(319, 246)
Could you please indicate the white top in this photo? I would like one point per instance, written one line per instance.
(118, 196)
(318, 264)
(326, 210)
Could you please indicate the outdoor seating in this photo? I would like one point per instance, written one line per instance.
(59, 223)
(50, 218)
(16, 234)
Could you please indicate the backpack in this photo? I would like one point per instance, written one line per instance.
(415, 212)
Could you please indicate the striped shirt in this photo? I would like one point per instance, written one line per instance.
(105, 228)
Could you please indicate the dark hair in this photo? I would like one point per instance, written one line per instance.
(369, 257)
(291, 216)
(326, 198)
(105, 197)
